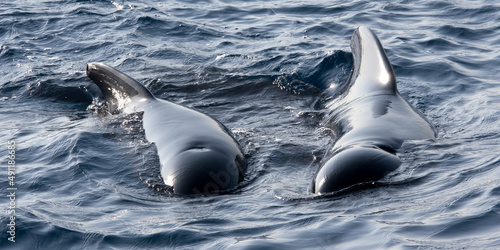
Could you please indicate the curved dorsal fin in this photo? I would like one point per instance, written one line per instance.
(117, 87)
(372, 72)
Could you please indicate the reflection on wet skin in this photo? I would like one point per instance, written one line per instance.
(373, 118)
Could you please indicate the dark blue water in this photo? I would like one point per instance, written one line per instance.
(85, 179)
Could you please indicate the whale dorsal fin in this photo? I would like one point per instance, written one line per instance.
(117, 87)
(372, 72)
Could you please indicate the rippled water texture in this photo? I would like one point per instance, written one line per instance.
(86, 179)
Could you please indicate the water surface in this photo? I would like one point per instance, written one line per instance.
(85, 179)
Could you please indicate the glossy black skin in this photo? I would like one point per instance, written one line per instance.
(198, 155)
(372, 118)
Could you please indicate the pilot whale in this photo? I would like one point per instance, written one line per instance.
(197, 153)
(372, 121)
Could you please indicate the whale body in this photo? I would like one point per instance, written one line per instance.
(197, 153)
(372, 120)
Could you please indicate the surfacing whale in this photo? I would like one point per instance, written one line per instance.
(372, 120)
(197, 153)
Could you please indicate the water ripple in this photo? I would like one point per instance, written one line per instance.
(91, 180)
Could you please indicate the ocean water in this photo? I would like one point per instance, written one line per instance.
(86, 179)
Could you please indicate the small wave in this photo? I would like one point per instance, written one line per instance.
(59, 91)
(332, 70)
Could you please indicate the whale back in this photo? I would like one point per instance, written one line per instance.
(372, 73)
(372, 121)
(197, 153)
(118, 88)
